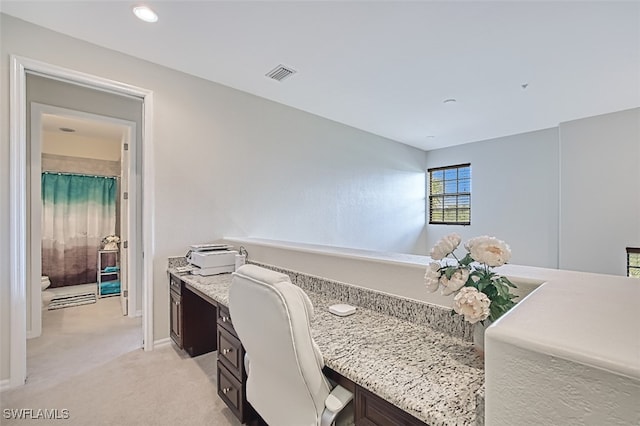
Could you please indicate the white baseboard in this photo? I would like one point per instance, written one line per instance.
(162, 342)
(5, 384)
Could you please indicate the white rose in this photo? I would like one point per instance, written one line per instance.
(445, 246)
(458, 279)
(489, 250)
(471, 303)
(432, 276)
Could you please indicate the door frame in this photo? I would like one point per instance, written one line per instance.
(18, 244)
(37, 110)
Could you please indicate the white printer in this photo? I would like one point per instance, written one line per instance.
(212, 260)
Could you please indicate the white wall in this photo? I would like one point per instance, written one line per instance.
(65, 164)
(393, 273)
(514, 194)
(229, 163)
(600, 191)
(567, 197)
(81, 146)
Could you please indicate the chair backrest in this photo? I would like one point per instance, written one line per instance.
(285, 382)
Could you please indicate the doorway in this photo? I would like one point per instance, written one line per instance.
(21, 172)
(72, 151)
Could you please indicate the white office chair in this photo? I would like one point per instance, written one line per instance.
(285, 384)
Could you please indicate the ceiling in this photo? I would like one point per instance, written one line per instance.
(83, 127)
(91, 138)
(387, 67)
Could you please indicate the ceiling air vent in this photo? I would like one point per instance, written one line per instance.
(280, 72)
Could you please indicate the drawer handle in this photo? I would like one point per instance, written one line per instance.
(226, 351)
(226, 390)
(226, 319)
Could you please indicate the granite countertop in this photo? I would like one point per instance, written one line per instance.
(215, 287)
(429, 374)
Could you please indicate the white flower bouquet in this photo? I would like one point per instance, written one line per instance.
(481, 293)
(110, 242)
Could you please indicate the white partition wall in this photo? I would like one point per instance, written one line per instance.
(566, 355)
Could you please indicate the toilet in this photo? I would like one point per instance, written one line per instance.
(46, 295)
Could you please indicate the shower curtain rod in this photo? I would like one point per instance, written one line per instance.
(79, 174)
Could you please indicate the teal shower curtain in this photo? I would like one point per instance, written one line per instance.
(77, 213)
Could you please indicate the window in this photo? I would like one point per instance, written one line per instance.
(633, 262)
(450, 195)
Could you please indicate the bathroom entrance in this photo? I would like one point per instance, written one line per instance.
(80, 189)
(82, 233)
(84, 193)
(38, 82)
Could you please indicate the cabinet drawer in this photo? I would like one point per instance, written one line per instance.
(371, 410)
(175, 284)
(231, 353)
(231, 391)
(224, 319)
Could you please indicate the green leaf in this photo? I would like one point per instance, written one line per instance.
(489, 290)
(499, 306)
(494, 312)
(450, 271)
(507, 282)
(503, 290)
(467, 260)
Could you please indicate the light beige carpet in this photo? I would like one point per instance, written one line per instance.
(89, 361)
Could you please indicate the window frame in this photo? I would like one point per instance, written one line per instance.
(630, 251)
(457, 194)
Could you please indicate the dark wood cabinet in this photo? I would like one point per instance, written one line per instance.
(371, 410)
(231, 353)
(199, 328)
(232, 377)
(224, 319)
(193, 319)
(232, 392)
(175, 309)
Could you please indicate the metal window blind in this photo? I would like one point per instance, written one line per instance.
(633, 262)
(450, 195)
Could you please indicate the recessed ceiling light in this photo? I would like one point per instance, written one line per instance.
(449, 101)
(67, 129)
(145, 13)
